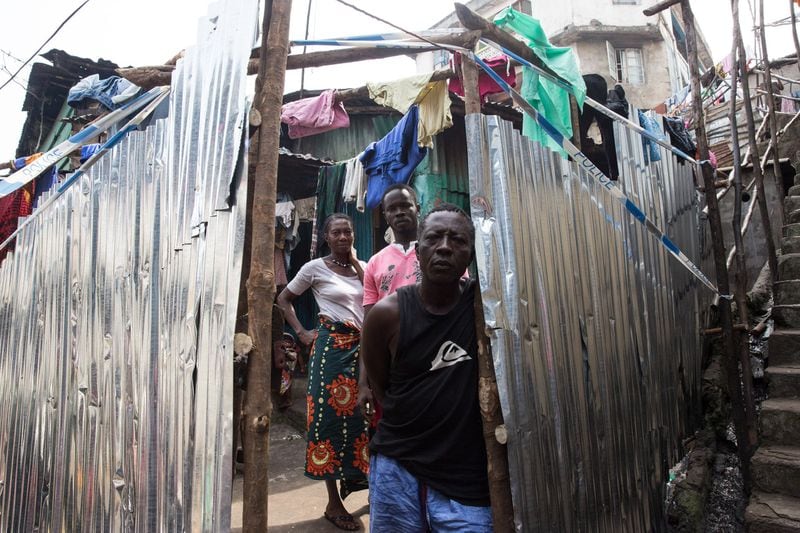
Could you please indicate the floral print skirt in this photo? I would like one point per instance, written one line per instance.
(338, 445)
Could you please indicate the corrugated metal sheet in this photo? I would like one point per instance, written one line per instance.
(116, 326)
(594, 328)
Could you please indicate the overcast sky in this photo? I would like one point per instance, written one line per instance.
(148, 32)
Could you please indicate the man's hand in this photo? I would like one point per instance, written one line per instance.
(366, 400)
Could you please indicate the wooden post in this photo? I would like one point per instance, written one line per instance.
(761, 196)
(741, 263)
(661, 6)
(261, 283)
(718, 244)
(773, 121)
(472, 21)
(794, 31)
(496, 453)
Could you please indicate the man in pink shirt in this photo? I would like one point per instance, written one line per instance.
(393, 267)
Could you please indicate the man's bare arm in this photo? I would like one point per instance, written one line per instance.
(378, 340)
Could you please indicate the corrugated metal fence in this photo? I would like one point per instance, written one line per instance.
(595, 329)
(117, 311)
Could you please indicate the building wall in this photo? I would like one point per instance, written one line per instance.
(554, 16)
(656, 88)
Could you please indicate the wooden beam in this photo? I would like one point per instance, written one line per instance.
(159, 75)
(148, 77)
(466, 39)
(471, 20)
(659, 7)
(261, 281)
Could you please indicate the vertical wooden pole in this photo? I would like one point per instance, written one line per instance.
(496, 453)
(761, 195)
(773, 121)
(261, 283)
(718, 244)
(741, 263)
(793, 17)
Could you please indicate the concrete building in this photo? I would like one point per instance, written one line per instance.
(613, 38)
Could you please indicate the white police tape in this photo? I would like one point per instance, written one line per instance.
(113, 141)
(598, 175)
(27, 174)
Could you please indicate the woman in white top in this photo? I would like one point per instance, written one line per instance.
(337, 432)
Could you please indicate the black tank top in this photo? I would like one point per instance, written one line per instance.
(431, 419)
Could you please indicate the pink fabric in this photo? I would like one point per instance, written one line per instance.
(387, 271)
(727, 64)
(486, 85)
(311, 116)
(713, 158)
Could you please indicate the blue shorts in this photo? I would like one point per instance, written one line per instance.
(395, 504)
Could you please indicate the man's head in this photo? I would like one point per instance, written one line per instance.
(445, 246)
(400, 208)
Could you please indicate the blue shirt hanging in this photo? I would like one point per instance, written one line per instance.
(394, 158)
(651, 147)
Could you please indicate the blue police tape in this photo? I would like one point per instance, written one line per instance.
(113, 141)
(30, 172)
(598, 175)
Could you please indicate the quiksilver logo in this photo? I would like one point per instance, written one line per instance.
(449, 354)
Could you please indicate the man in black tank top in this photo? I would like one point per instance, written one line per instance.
(428, 466)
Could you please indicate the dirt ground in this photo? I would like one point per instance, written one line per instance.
(296, 503)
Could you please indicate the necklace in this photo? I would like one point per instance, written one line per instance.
(339, 263)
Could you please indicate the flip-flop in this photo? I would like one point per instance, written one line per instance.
(345, 521)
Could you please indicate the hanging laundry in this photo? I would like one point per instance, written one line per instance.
(284, 213)
(361, 189)
(112, 92)
(617, 102)
(486, 85)
(712, 158)
(544, 95)
(311, 116)
(678, 98)
(787, 106)
(650, 148)
(354, 182)
(679, 136)
(19, 203)
(43, 183)
(728, 63)
(432, 98)
(394, 158)
(329, 201)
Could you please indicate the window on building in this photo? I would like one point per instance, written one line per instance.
(625, 65)
(628, 2)
(523, 6)
(680, 36)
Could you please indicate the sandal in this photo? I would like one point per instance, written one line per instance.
(345, 521)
